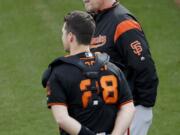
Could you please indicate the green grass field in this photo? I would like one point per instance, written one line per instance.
(30, 39)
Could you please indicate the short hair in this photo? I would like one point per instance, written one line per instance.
(81, 24)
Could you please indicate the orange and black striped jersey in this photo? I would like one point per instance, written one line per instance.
(92, 99)
(120, 35)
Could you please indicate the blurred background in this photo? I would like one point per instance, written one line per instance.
(30, 38)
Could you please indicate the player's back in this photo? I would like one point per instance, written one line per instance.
(92, 95)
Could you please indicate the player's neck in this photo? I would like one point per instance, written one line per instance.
(79, 49)
(107, 4)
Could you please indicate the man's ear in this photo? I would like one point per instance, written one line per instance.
(70, 37)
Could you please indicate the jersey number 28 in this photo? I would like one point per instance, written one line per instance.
(110, 89)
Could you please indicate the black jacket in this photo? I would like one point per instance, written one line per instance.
(120, 35)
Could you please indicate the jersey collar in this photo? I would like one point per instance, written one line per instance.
(98, 15)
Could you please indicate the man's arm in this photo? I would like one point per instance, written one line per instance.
(67, 123)
(123, 119)
(132, 45)
(126, 107)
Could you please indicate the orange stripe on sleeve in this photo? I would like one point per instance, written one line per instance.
(125, 103)
(124, 27)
